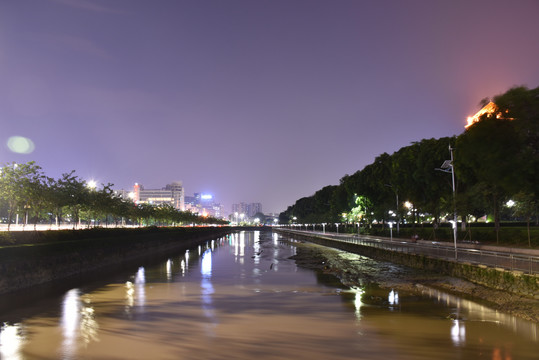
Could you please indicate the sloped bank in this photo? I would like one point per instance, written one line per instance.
(514, 282)
(37, 262)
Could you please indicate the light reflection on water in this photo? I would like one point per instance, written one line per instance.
(11, 341)
(247, 300)
(468, 310)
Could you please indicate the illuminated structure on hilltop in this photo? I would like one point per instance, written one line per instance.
(489, 110)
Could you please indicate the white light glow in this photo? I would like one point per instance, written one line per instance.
(20, 145)
(11, 341)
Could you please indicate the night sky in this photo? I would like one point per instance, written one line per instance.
(254, 101)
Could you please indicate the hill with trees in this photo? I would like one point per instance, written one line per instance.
(496, 163)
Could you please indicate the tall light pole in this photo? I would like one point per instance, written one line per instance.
(448, 166)
(454, 201)
(397, 200)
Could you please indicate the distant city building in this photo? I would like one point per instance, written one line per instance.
(248, 209)
(124, 194)
(190, 204)
(204, 205)
(172, 194)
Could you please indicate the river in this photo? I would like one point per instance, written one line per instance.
(242, 297)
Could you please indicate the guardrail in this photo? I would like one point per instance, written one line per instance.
(528, 264)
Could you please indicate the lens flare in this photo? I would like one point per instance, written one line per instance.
(20, 145)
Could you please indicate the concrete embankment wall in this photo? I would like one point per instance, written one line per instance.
(24, 266)
(512, 281)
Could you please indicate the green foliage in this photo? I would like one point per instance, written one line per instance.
(361, 211)
(26, 190)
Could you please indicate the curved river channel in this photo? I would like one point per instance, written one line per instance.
(242, 297)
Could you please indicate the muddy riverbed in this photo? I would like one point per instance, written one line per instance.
(357, 270)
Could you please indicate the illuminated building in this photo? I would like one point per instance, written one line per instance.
(204, 204)
(172, 194)
(248, 209)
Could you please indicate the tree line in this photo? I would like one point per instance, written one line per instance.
(27, 193)
(496, 160)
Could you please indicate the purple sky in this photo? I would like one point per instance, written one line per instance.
(254, 101)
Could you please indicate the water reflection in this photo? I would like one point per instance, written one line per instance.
(77, 322)
(393, 297)
(458, 332)
(129, 297)
(11, 341)
(169, 269)
(140, 287)
(70, 322)
(257, 251)
(358, 303)
(466, 310)
(249, 309)
(242, 246)
(207, 289)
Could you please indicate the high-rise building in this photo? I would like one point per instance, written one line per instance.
(204, 205)
(172, 194)
(248, 209)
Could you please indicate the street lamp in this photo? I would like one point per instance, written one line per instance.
(391, 230)
(448, 167)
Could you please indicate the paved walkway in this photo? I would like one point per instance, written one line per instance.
(518, 259)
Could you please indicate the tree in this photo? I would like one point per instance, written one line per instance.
(72, 193)
(525, 206)
(500, 151)
(16, 182)
(361, 211)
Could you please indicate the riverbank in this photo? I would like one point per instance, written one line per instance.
(356, 270)
(30, 264)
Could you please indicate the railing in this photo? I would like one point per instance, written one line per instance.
(501, 259)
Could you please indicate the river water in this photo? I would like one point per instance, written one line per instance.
(241, 297)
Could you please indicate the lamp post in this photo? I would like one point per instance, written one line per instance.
(447, 167)
(391, 231)
(397, 202)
